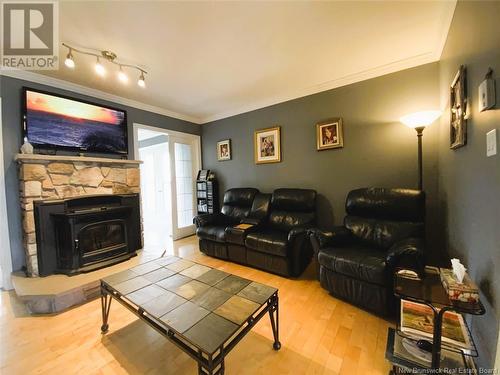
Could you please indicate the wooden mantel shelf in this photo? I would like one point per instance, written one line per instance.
(38, 158)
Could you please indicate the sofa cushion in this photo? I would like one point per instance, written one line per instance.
(237, 202)
(291, 208)
(301, 200)
(387, 204)
(356, 261)
(212, 232)
(268, 241)
(382, 234)
(260, 207)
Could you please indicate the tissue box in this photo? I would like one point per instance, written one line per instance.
(463, 292)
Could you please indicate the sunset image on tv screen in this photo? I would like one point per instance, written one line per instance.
(53, 121)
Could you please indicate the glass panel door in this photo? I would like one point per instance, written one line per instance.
(156, 195)
(184, 182)
(186, 161)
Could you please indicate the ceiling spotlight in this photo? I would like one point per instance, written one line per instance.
(99, 69)
(108, 57)
(122, 76)
(141, 82)
(69, 62)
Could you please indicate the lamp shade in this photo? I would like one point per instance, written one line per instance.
(420, 119)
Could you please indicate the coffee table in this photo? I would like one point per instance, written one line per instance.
(202, 310)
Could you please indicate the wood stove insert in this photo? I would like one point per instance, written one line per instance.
(86, 233)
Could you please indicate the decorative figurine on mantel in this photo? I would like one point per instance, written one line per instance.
(27, 147)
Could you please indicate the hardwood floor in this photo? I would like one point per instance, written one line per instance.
(319, 335)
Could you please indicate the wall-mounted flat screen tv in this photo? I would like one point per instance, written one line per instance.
(57, 122)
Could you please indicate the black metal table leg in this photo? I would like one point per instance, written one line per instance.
(222, 368)
(436, 337)
(105, 306)
(274, 309)
(202, 370)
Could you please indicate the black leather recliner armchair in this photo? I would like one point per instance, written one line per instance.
(383, 231)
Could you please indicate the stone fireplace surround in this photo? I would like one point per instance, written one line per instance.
(43, 177)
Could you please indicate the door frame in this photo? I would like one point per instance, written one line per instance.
(196, 140)
(5, 251)
(497, 359)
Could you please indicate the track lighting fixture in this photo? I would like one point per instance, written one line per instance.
(99, 68)
(141, 82)
(69, 62)
(122, 76)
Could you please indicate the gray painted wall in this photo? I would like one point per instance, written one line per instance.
(10, 91)
(378, 149)
(469, 182)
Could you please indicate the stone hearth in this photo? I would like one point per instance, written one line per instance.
(43, 177)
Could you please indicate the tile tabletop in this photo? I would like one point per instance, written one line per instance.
(211, 332)
(205, 305)
(212, 277)
(237, 309)
(159, 274)
(232, 284)
(185, 316)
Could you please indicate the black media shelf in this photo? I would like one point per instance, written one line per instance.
(207, 193)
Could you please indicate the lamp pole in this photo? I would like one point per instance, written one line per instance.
(420, 131)
(418, 121)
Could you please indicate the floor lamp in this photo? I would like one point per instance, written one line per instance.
(418, 121)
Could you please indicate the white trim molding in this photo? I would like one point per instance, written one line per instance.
(5, 253)
(393, 67)
(84, 90)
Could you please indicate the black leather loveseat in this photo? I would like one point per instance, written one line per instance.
(278, 239)
(383, 231)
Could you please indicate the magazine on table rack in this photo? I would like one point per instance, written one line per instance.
(408, 350)
(417, 321)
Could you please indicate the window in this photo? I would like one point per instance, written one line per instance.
(184, 184)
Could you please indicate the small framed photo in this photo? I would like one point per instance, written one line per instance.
(458, 110)
(224, 150)
(267, 145)
(329, 134)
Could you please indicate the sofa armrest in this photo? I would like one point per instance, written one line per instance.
(252, 221)
(302, 230)
(300, 250)
(336, 237)
(408, 254)
(210, 219)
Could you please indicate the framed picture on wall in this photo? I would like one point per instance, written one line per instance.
(458, 110)
(267, 145)
(329, 134)
(224, 150)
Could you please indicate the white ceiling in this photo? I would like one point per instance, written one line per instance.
(210, 60)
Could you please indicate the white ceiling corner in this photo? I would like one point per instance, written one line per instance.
(211, 60)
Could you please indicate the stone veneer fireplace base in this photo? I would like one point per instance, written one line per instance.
(43, 177)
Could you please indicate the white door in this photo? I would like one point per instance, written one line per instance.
(156, 195)
(185, 162)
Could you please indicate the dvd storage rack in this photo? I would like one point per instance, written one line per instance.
(430, 292)
(207, 194)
